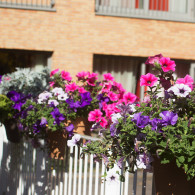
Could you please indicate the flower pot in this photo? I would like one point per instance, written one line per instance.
(57, 140)
(82, 126)
(12, 131)
(171, 180)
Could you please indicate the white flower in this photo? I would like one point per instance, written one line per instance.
(112, 177)
(57, 91)
(45, 95)
(180, 90)
(75, 139)
(115, 117)
(55, 102)
(40, 101)
(63, 96)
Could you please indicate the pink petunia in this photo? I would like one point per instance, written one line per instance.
(187, 80)
(148, 80)
(54, 72)
(129, 98)
(66, 76)
(71, 87)
(82, 75)
(153, 59)
(51, 84)
(106, 87)
(108, 77)
(112, 96)
(92, 78)
(103, 122)
(118, 87)
(82, 90)
(95, 115)
(167, 64)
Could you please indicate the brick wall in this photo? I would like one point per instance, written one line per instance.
(74, 33)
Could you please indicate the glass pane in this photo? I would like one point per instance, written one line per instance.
(178, 6)
(139, 4)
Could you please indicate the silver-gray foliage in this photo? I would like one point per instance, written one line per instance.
(26, 81)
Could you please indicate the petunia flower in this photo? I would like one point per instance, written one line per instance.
(57, 91)
(71, 87)
(140, 120)
(168, 118)
(92, 78)
(53, 102)
(73, 105)
(129, 98)
(112, 177)
(180, 90)
(113, 96)
(81, 90)
(0, 78)
(148, 80)
(74, 141)
(63, 97)
(45, 95)
(95, 115)
(82, 75)
(153, 59)
(167, 64)
(66, 75)
(39, 125)
(103, 122)
(54, 72)
(108, 77)
(85, 99)
(187, 80)
(70, 129)
(57, 116)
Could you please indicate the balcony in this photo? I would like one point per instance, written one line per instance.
(42, 5)
(173, 10)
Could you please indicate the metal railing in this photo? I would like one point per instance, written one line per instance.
(43, 5)
(174, 10)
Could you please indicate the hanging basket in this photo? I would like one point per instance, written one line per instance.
(12, 131)
(57, 140)
(171, 180)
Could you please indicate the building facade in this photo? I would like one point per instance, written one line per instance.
(98, 35)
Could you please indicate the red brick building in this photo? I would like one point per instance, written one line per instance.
(97, 35)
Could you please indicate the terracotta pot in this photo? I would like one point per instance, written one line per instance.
(57, 140)
(171, 180)
(12, 131)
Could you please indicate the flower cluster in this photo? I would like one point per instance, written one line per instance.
(158, 127)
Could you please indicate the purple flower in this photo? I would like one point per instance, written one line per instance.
(57, 116)
(120, 162)
(168, 118)
(18, 98)
(39, 125)
(156, 124)
(73, 105)
(70, 129)
(113, 130)
(0, 78)
(102, 99)
(85, 99)
(140, 120)
(74, 141)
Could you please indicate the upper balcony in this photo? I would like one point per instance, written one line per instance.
(43, 5)
(173, 10)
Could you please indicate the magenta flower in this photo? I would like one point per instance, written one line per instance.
(66, 76)
(103, 122)
(51, 84)
(54, 72)
(92, 78)
(106, 87)
(108, 77)
(167, 64)
(95, 115)
(82, 75)
(187, 80)
(148, 80)
(153, 59)
(113, 96)
(71, 87)
(81, 90)
(129, 98)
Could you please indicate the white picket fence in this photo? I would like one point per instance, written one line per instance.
(28, 171)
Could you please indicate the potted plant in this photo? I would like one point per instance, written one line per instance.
(159, 134)
(15, 89)
(63, 110)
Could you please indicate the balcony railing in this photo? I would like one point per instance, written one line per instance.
(175, 10)
(44, 5)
